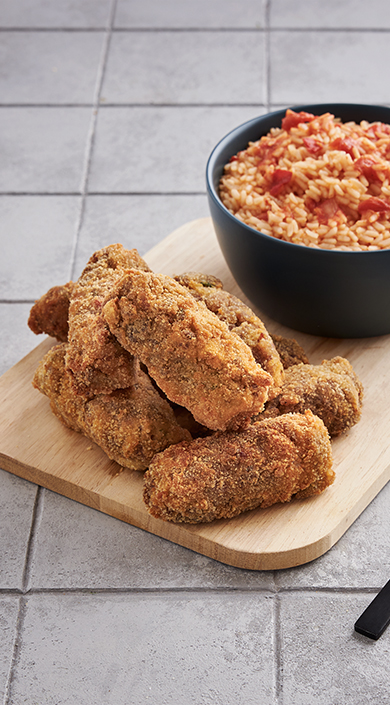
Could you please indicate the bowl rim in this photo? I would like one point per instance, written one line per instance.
(213, 194)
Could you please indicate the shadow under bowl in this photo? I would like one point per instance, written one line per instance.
(321, 292)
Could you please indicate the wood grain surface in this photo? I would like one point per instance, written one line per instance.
(34, 445)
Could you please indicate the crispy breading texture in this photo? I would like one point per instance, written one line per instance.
(193, 357)
(331, 390)
(226, 474)
(290, 352)
(96, 360)
(52, 379)
(239, 318)
(130, 425)
(49, 314)
(185, 419)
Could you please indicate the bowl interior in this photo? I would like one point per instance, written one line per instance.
(322, 292)
(252, 130)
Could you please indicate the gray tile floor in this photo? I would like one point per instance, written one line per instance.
(108, 111)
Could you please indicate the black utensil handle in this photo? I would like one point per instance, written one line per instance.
(376, 616)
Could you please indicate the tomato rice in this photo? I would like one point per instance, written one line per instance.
(315, 181)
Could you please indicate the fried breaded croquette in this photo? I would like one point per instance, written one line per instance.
(96, 360)
(229, 473)
(130, 425)
(49, 314)
(185, 419)
(239, 318)
(193, 357)
(331, 390)
(289, 350)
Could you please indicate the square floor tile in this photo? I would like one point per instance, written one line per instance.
(310, 67)
(37, 252)
(185, 67)
(43, 149)
(332, 13)
(187, 13)
(158, 150)
(50, 13)
(146, 648)
(17, 504)
(139, 221)
(78, 547)
(16, 338)
(49, 67)
(9, 605)
(324, 662)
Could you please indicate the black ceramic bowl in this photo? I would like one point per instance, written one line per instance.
(321, 292)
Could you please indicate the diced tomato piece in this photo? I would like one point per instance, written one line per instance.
(365, 165)
(280, 178)
(373, 204)
(377, 129)
(312, 145)
(326, 210)
(310, 204)
(265, 149)
(264, 153)
(292, 119)
(344, 144)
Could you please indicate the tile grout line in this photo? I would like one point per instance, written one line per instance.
(91, 134)
(130, 105)
(278, 651)
(195, 30)
(42, 194)
(277, 648)
(35, 522)
(86, 590)
(16, 301)
(15, 651)
(137, 106)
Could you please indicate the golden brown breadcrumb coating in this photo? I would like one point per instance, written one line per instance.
(185, 419)
(130, 425)
(331, 390)
(226, 474)
(96, 360)
(239, 318)
(49, 314)
(290, 352)
(52, 379)
(193, 357)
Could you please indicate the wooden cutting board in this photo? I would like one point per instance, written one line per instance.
(34, 445)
